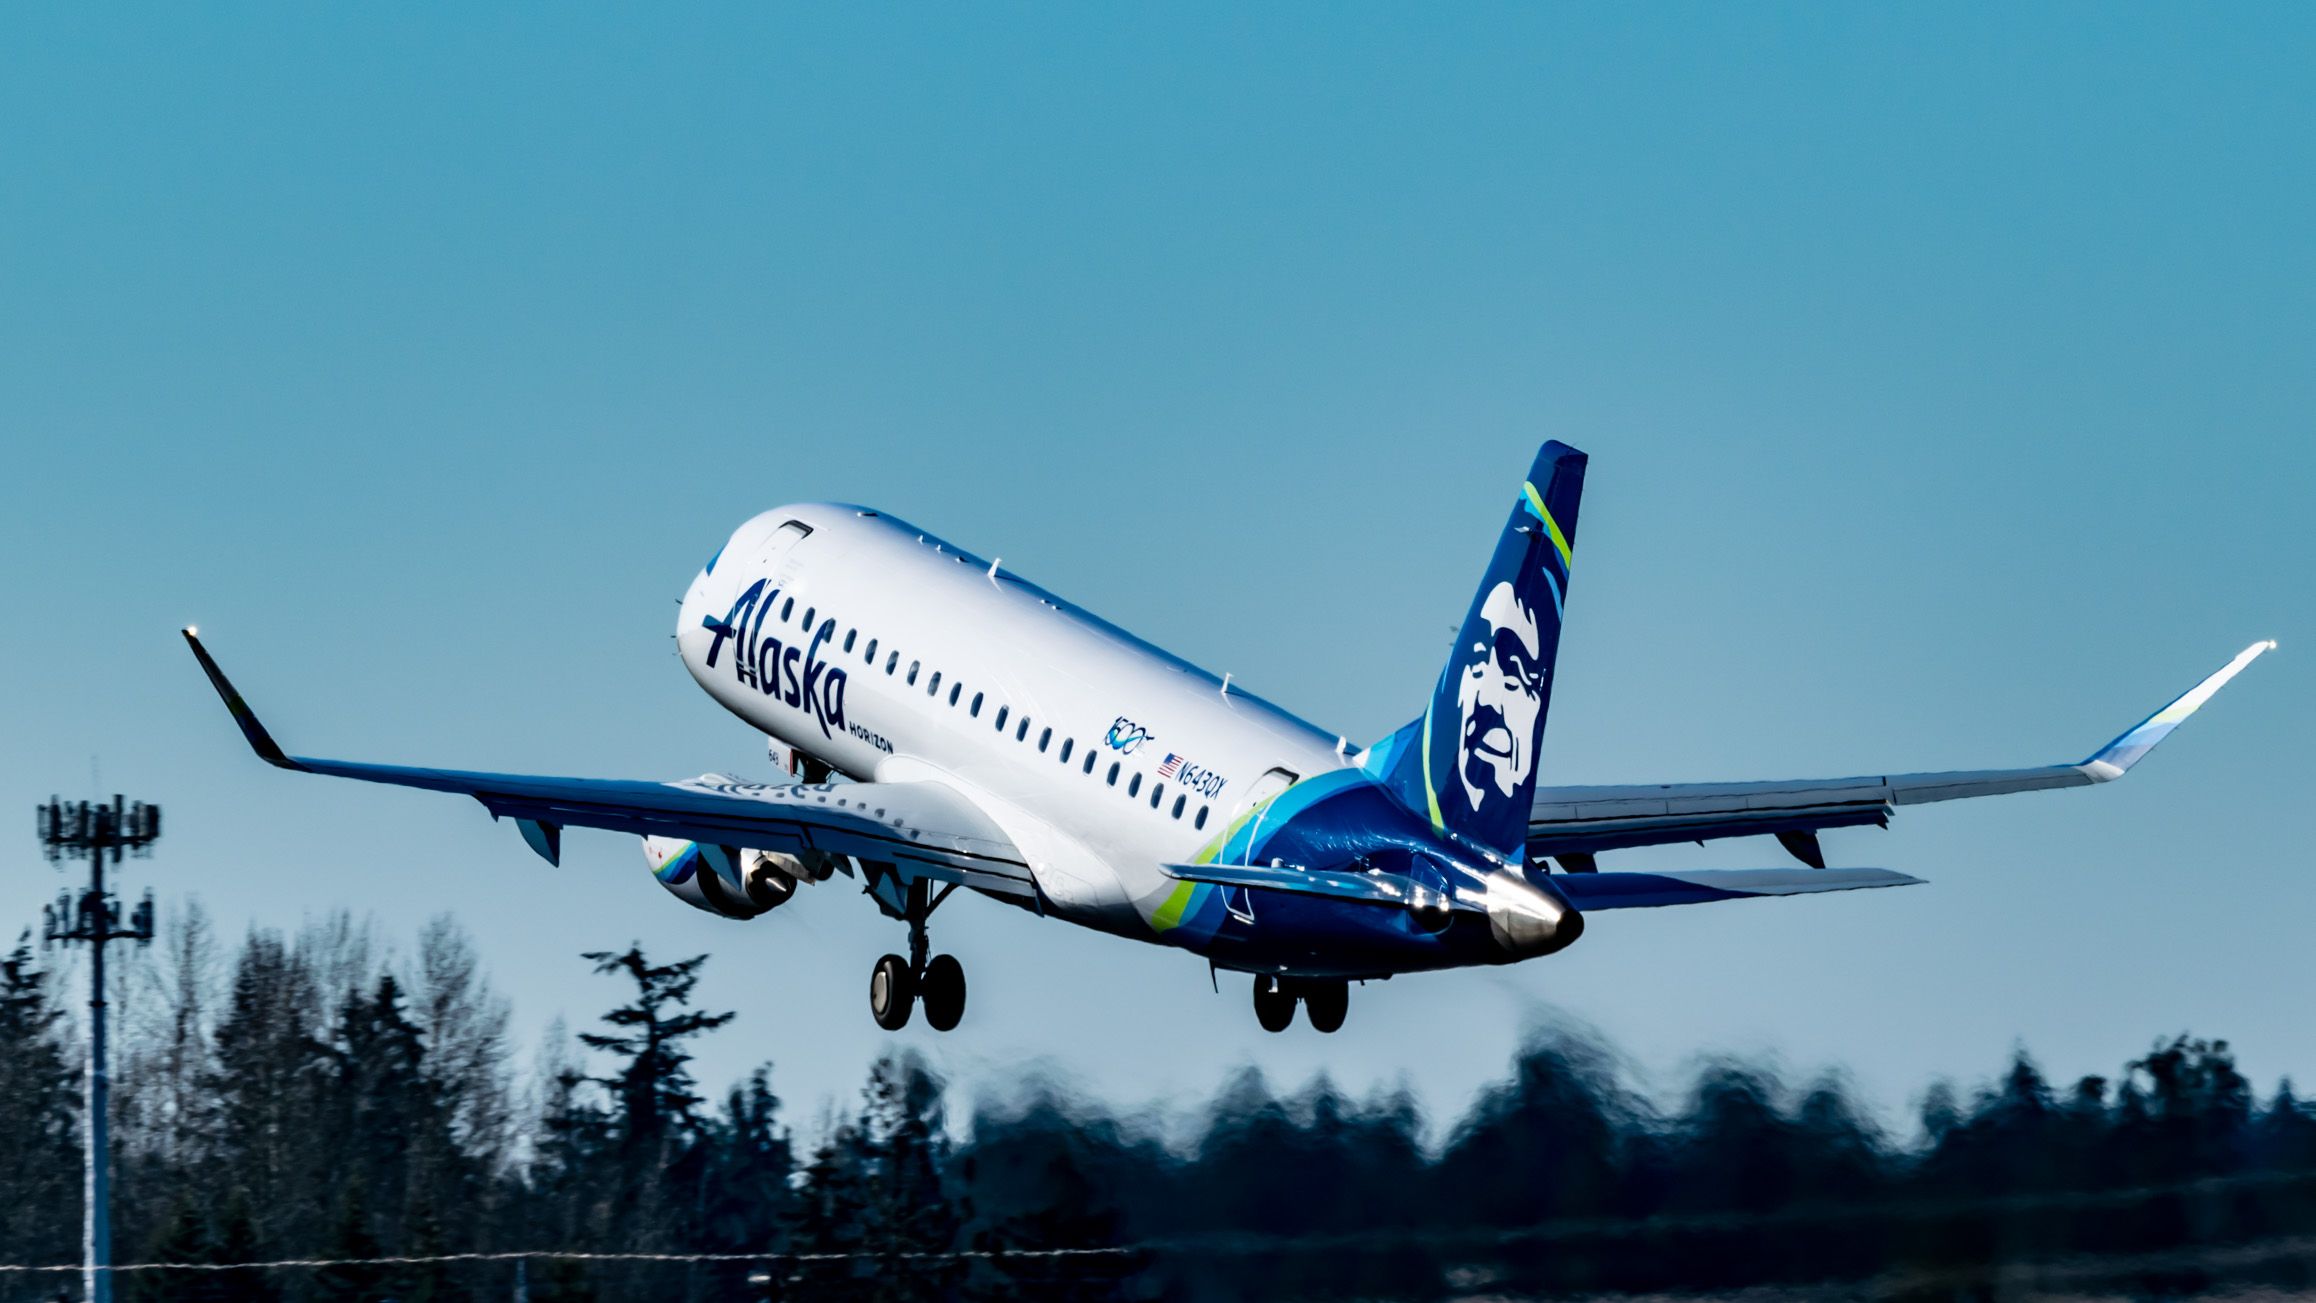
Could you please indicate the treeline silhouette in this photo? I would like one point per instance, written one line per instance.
(311, 1096)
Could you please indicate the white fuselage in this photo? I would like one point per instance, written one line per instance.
(869, 610)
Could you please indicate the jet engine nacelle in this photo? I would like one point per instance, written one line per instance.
(691, 873)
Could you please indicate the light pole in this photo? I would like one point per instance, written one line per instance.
(96, 832)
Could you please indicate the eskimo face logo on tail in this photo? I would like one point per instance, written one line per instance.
(1500, 692)
(792, 675)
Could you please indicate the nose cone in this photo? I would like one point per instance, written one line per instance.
(692, 632)
(1525, 921)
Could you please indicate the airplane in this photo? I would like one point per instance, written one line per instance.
(939, 722)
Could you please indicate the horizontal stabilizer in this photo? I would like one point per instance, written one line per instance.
(1590, 891)
(1366, 888)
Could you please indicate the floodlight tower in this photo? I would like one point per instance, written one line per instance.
(97, 832)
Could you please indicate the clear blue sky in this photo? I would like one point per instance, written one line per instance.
(1947, 373)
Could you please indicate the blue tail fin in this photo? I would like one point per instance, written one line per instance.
(1469, 765)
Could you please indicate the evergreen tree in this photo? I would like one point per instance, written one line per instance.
(910, 1211)
(653, 1087)
(261, 1089)
(185, 1238)
(829, 1215)
(237, 1241)
(745, 1180)
(349, 1279)
(39, 1117)
(656, 1136)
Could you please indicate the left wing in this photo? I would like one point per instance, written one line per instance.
(923, 829)
(1574, 823)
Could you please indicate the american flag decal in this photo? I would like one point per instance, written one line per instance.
(1173, 762)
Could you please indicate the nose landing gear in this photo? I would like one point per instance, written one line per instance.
(897, 985)
(1325, 1002)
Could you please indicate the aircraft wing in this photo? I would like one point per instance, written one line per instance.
(1574, 823)
(923, 829)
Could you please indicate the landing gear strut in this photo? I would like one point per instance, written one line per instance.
(896, 985)
(1325, 1002)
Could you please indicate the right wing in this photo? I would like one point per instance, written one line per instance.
(923, 829)
(1574, 823)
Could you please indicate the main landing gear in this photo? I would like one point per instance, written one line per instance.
(1325, 1002)
(896, 985)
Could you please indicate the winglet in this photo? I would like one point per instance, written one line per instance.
(260, 741)
(2113, 759)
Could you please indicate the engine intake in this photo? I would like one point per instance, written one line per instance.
(690, 873)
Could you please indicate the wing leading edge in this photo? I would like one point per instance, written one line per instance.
(923, 829)
(1580, 821)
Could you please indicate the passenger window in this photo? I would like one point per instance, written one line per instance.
(1067, 743)
(1021, 734)
(785, 608)
(954, 689)
(933, 688)
(1200, 821)
(1113, 773)
(828, 630)
(892, 662)
(1157, 794)
(1134, 785)
(1178, 806)
(914, 666)
(975, 712)
(870, 655)
(848, 637)
(1043, 740)
(1001, 717)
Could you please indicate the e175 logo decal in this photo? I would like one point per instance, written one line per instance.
(1126, 736)
(787, 673)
